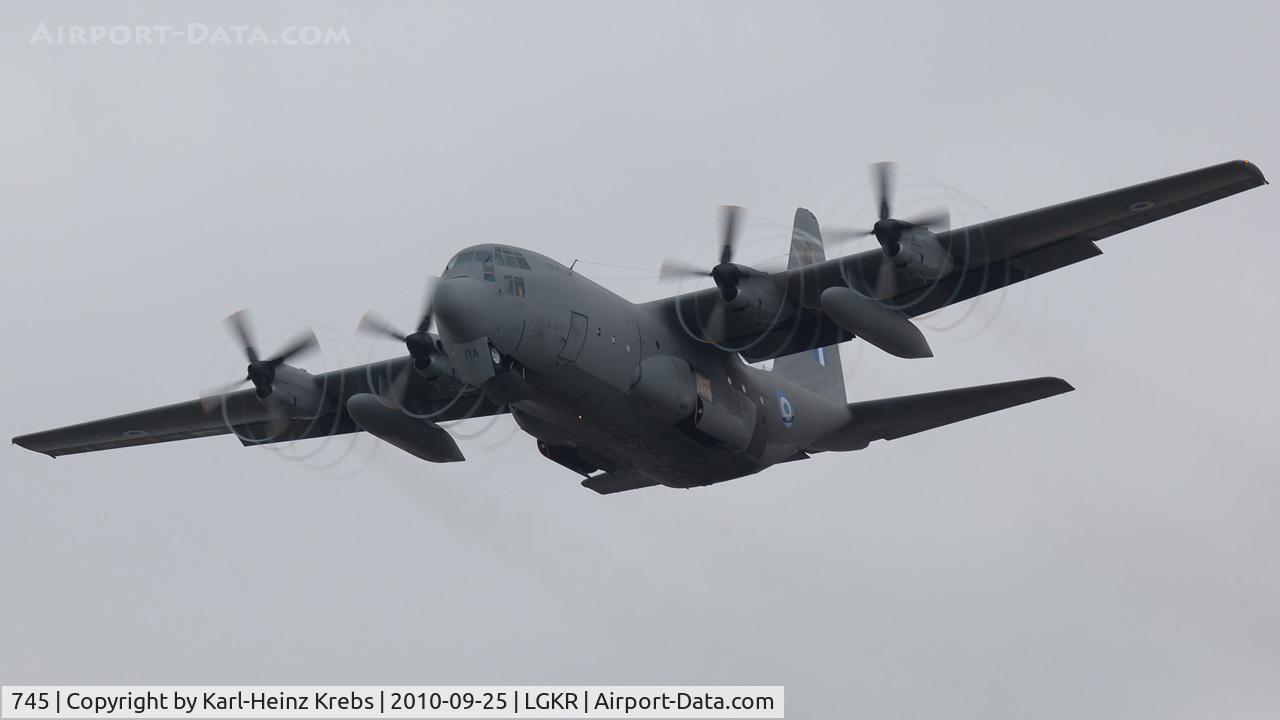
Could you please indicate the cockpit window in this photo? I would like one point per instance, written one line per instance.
(510, 258)
(500, 256)
(462, 257)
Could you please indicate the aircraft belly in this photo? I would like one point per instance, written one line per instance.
(572, 407)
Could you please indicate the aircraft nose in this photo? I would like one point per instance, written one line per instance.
(463, 308)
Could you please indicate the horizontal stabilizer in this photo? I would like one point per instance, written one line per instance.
(892, 418)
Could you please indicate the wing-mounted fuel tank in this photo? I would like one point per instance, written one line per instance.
(869, 319)
(420, 438)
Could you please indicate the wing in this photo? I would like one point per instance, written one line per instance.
(892, 418)
(180, 421)
(988, 256)
(1100, 216)
(254, 423)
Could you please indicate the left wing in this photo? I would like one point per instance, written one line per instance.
(256, 423)
(988, 256)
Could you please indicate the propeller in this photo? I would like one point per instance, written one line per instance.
(889, 230)
(726, 274)
(262, 372)
(420, 343)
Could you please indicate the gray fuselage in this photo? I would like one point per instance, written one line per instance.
(606, 383)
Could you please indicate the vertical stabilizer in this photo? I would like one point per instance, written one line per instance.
(818, 370)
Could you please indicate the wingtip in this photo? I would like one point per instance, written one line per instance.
(1255, 171)
(1062, 386)
(22, 442)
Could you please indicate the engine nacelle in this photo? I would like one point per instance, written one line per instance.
(921, 256)
(295, 393)
(664, 389)
(758, 299)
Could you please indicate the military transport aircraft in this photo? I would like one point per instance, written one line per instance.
(660, 393)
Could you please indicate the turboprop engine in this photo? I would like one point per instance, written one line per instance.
(910, 249)
(290, 392)
(748, 298)
(919, 255)
(295, 393)
(754, 296)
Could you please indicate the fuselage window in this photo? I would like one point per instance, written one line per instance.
(487, 260)
(515, 285)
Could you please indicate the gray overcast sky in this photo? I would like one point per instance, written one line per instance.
(1111, 553)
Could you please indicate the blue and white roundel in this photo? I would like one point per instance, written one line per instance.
(785, 409)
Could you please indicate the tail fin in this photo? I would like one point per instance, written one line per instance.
(818, 370)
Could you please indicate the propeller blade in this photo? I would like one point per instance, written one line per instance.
(716, 330)
(306, 340)
(277, 426)
(373, 324)
(212, 397)
(672, 268)
(395, 392)
(729, 221)
(886, 280)
(936, 220)
(238, 321)
(771, 266)
(845, 233)
(424, 321)
(882, 176)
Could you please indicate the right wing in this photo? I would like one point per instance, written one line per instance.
(1099, 216)
(442, 397)
(988, 256)
(892, 418)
